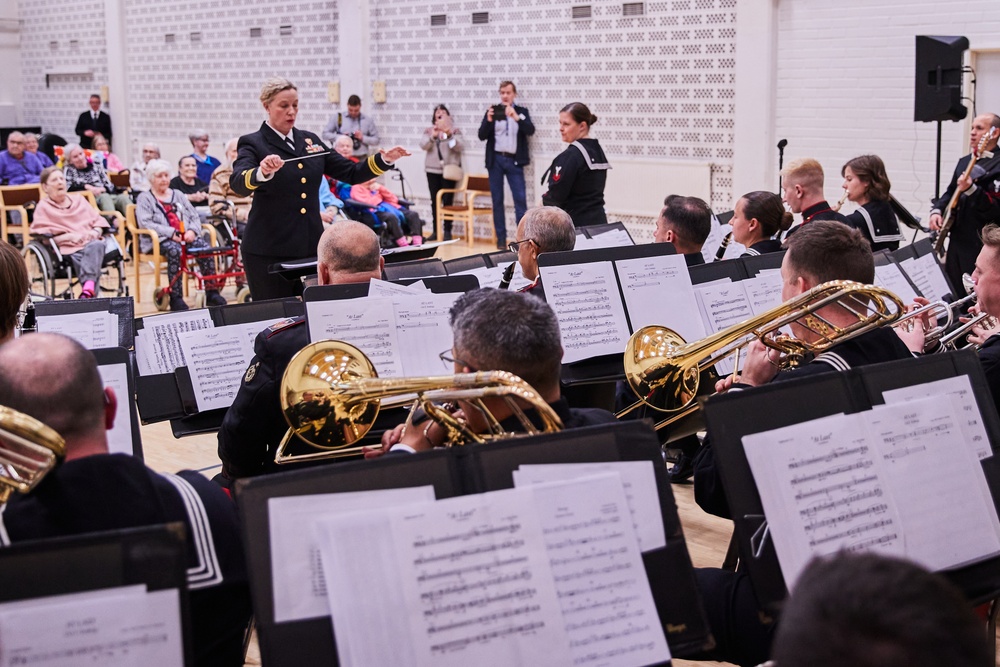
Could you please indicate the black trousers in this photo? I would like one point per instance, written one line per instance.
(264, 285)
(437, 182)
(743, 631)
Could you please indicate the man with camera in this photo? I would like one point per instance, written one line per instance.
(505, 129)
(359, 127)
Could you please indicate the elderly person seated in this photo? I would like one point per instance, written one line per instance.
(13, 290)
(137, 178)
(17, 166)
(82, 173)
(111, 161)
(345, 147)
(542, 229)
(169, 214)
(75, 226)
(206, 163)
(221, 197)
(31, 146)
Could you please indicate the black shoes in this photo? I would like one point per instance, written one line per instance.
(447, 235)
(213, 298)
(177, 303)
(682, 471)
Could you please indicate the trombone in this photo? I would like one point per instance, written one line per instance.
(664, 371)
(28, 451)
(331, 396)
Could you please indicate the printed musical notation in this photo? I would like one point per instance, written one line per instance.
(587, 290)
(891, 277)
(157, 349)
(93, 330)
(658, 291)
(369, 324)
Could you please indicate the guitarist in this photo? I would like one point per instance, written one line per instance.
(977, 205)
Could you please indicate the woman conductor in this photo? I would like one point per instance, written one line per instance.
(284, 223)
(577, 176)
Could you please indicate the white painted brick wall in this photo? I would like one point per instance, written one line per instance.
(845, 86)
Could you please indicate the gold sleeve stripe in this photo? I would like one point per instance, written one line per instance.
(373, 166)
(247, 175)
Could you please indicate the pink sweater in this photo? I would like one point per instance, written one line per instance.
(78, 218)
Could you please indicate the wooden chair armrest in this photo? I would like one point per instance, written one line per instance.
(138, 231)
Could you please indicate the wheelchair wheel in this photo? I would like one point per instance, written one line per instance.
(243, 295)
(162, 298)
(41, 273)
(113, 279)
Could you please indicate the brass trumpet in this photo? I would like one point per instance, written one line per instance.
(664, 371)
(28, 451)
(951, 339)
(331, 395)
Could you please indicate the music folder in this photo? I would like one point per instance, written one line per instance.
(85, 312)
(460, 471)
(736, 416)
(154, 556)
(116, 367)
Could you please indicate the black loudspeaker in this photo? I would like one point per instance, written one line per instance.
(938, 89)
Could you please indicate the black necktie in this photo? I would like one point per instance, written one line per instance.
(291, 144)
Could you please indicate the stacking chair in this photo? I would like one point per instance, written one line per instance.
(139, 257)
(466, 205)
(17, 199)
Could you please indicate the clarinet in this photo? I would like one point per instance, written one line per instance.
(30, 323)
(721, 252)
(508, 275)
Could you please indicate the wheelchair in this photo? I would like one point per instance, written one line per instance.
(46, 265)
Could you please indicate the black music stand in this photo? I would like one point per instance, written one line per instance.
(111, 356)
(121, 306)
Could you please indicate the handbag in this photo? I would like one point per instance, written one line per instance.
(452, 172)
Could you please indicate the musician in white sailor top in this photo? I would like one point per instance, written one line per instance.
(284, 222)
(577, 176)
(757, 217)
(867, 185)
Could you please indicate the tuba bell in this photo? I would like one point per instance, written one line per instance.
(664, 371)
(28, 451)
(331, 396)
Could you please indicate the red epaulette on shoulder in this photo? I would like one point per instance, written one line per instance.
(282, 325)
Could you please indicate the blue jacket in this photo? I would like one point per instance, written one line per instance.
(525, 128)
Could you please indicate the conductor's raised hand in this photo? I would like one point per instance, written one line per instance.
(271, 164)
(394, 154)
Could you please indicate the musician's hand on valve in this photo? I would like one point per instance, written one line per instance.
(934, 222)
(979, 334)
(271, 164)
(912, 335)
(760, 364)
(723, 385)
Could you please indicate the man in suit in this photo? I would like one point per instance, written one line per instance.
(93, 122)
(253, 427)
(978, 204)
(506, 140)
(686, 222)
(55, 380)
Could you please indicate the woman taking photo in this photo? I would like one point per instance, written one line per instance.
(75, 226)
(867, 185)
(171, 216)
(757, 217)
(443, 143)
(284, 222)
(577, 176)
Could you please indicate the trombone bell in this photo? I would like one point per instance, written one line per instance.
(652, 373)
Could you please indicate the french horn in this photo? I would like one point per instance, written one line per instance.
(28, 451)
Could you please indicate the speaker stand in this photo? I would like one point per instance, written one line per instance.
(937, 165)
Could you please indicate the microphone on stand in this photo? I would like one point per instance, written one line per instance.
(508, 275)
(781, 160)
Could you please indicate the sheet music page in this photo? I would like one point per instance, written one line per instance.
(378, 287)
(157, 345)
(368, 324)
(763, 291)
(934, 274)
(474, 585)
(120, 435)
(937, 482)
(298, 584)
(92, 330)
(116, 626)
(658, 291)
(891, 277)
(961, 388)
(723, 304)
(733, 251)
(591, 315)
(217, 360)
(584, 242)
(607, 605)
(823, 489)
(614, 238)
(490, 276)
(637, 478)
(423, 331)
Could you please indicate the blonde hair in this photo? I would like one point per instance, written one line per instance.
(806, 172)
(272, 87)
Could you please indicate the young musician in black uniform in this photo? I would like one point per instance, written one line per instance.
(978, 204)
(577, 176)
(686, 222)
(867, 185)
(542, 229)
(802, 189)
(55, 380)
(757, 217)
(505, 331)
(284, 223)
(254, 426)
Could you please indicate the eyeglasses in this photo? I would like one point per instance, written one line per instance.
(450, 361)
(514, 245)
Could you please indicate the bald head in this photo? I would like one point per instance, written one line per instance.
(55, 380)
(348, 253)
